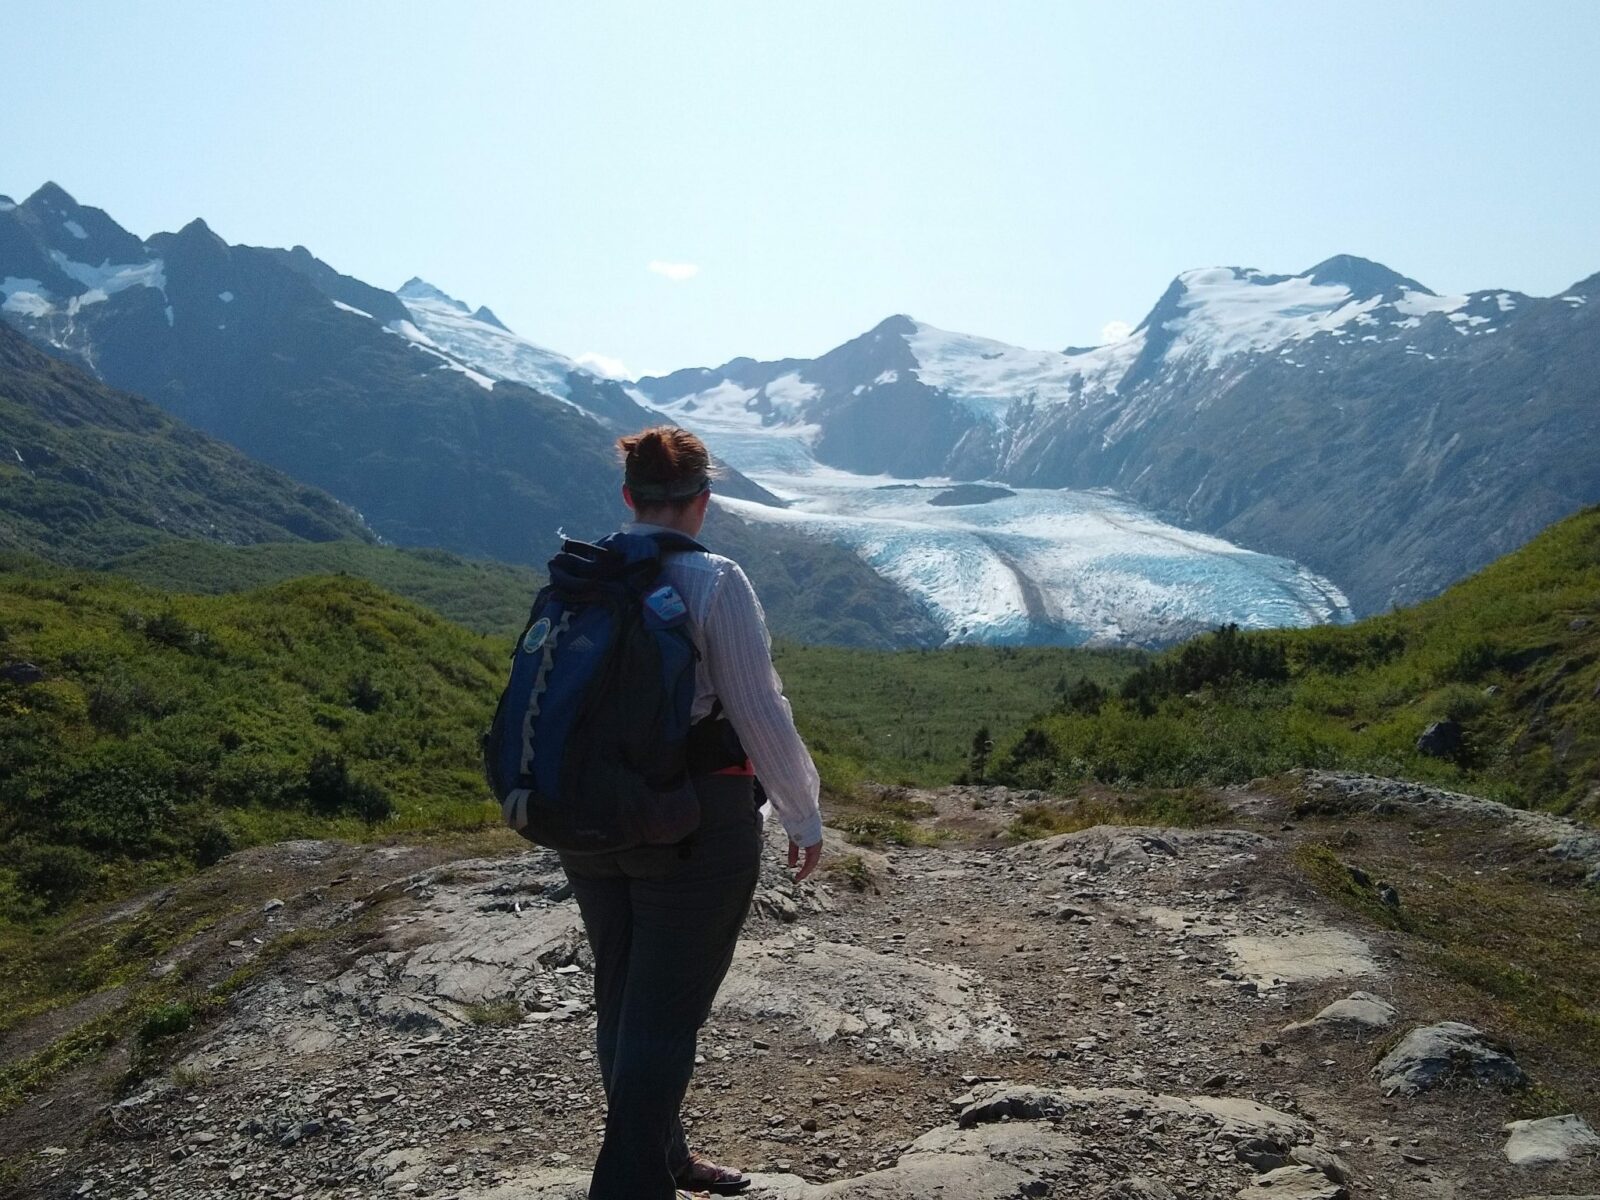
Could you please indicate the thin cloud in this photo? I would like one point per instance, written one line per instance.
(603, 364)
(675, 271)
(1114, 331)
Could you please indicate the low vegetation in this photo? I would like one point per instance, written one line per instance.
(163, 731)
(1513, 930)
(1508, 661)
(487, 597)
(1185, 808)
(911, 717)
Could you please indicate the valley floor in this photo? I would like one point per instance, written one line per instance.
(1103, 1013)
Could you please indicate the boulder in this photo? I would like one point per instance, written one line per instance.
(1359, 1012)
(23, 673)
(1442, 739)
(1431, 1056)
(1326, 1161)
(1549, 1140)
(1294, 1183)
(1139, 1187)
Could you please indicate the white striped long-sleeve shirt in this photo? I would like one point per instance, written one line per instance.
(730, 631)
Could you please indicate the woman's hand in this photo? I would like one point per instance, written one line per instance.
(812, 854)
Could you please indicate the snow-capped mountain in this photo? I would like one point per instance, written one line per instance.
(438, 323)
(1347, 416)
(334, 382)
(481, 338)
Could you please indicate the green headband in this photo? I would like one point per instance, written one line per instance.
(683, 489)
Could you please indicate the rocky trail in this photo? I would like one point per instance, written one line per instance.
(1118, 1012)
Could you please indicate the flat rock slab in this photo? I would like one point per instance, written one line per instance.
(1189, 924)
(1294, 1183)
(1011, 1141)
(1302, 957)
(553, 1184)
(834, 989)
(483, 930)
(1550, 1140)
(1359, 1012)
(917, 1176)
(1230, 1117)
(1431, 1056)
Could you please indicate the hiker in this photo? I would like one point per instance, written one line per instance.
(662, 920)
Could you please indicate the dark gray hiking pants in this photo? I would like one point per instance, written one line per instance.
(662, 921)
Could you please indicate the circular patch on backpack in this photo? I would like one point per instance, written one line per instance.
(536, 635)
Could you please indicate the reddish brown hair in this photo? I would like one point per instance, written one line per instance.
(664, 466)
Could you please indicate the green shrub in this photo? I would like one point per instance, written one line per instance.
(212, 844)
(331, 790)
(365, 694)
(56, 875)
(165, 1021)
(256, 782)
(115, 808)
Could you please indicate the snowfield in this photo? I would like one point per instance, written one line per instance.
(444, 325)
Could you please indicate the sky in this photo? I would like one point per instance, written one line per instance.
(654, 186)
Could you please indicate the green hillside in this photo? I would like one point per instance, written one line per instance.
(1511, 655)
(88, 473)
(168, 729)
(487, 597)
(811, 592)
(911, 716)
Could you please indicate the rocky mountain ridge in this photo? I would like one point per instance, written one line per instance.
(331, 381)
(1347, 417)
(1119, 1012)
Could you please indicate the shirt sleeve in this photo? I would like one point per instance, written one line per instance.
(738, 653)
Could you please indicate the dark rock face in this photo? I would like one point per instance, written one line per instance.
(1442, 739)
(970, 493)
(21, 673)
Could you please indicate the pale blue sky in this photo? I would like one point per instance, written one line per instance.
(1024, 171)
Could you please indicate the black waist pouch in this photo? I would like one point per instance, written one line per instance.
(714, 745)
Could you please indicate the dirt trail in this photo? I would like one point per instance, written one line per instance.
(1099, 1014)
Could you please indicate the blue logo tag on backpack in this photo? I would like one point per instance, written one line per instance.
(588, 748)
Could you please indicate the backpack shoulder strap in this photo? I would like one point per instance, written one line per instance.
(672, 542)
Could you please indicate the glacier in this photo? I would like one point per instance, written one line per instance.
(1024, 565)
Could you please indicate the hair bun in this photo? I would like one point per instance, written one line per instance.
(665, 464)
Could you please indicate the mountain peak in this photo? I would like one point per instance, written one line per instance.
(1362, 276)
(82, 233)
(51, 196)
(486, 315)
(899, 325)
(197, 228)
(419, 289)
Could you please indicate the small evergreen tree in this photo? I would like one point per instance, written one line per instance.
(978, 756)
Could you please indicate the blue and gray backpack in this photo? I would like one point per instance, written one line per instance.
(589, 750)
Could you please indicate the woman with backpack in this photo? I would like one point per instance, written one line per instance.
(662, 920)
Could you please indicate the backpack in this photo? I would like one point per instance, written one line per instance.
(588, 751)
